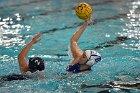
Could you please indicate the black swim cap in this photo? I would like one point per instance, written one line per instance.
(36, 63)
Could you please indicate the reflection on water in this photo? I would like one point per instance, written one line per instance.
(132, 27)
(114, 62)
(7, 58)
(10, 36)
(10, 32)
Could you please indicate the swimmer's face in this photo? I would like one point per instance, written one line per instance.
(83, 58)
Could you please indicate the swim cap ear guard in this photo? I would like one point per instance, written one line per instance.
(36, 63)
(92, 57)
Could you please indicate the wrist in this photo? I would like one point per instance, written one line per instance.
(31, 42)
(85, 24)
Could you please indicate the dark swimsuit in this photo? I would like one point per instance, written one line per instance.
(76, 68)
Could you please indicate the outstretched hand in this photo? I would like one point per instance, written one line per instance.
(88, 20)
(36, 37)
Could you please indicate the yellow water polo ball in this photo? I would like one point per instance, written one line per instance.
(83, 10)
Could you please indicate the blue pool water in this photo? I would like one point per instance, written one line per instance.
(21, 19)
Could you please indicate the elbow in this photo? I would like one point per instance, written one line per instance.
(21, 57)
(73, 40)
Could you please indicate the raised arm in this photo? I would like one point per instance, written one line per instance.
(76, 51)
(23, 65)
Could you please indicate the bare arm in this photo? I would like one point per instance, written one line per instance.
(22, 56)
(76, 51)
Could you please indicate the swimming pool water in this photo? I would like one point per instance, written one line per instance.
(20, 20)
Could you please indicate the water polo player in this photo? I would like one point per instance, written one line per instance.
(28, 70)
(35, 63)
(82, 60)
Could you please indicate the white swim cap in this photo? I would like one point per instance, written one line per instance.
(92, 57)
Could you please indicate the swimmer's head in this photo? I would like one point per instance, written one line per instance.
(36, 63)
(92, 57)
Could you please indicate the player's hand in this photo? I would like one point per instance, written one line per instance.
(88, 21)
(36, 38)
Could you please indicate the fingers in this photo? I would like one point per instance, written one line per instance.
(91, 17)
(38, 39)
(38, 35)
(88, 20)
